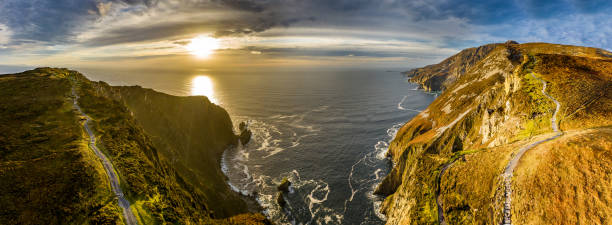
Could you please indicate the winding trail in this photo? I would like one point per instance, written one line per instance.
(514, 161)
(509, 168)
(130, 219)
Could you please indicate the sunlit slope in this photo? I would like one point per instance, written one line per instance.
(480, 121)
(439, 76)
(49, 176)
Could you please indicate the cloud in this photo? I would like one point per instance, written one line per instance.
(593, 30)
(5, 35)
(384, 29)
(103, 7)
(49, 21)
(41, 20)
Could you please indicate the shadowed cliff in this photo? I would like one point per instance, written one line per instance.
(193, 133)
(49, 175)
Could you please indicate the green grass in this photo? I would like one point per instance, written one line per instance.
(53, 177)
(538, 108)
(143, 177)
(143, 216)
(174, 123)
(533, 128)
(45, 164)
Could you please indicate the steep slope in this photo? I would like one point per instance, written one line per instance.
(439, 77)
(483, 118)
(52, 177)
(47, 173)
(111, 173)
(192, 132)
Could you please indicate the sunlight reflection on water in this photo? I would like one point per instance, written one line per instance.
(203, 85)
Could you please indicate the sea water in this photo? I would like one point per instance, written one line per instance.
(327, 132)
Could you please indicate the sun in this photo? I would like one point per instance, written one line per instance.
(202, 46)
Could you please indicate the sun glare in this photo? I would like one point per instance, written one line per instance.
(203, 85)
(202, 46)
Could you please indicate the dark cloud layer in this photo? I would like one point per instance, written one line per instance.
(59, 21)
(48, 21)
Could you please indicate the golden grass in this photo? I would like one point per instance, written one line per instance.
(516, 113)
(566, 181)
(583, 85)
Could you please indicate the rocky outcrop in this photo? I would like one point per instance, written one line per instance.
(245, 133)
(280, 200)
(282, 188)
(284, 185)
(490, 108)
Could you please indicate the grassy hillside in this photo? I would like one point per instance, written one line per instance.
(192, 132)
(52, 177)
(483, 118)
(572, 176)
(48, 175)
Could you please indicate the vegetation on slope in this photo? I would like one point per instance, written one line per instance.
(157, 193)
(48, 175)
(440, 76)
(51, 176)
(572, 178)
(194, 133)
(496, 107)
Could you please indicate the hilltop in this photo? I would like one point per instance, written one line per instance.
(49, 174)
(496, 100)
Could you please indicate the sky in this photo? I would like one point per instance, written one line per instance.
(273, 34)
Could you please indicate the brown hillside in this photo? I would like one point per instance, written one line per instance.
(482, 118)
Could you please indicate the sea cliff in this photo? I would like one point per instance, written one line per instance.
(449, 159)
(50, 175)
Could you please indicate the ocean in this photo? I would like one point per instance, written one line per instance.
(327, 132)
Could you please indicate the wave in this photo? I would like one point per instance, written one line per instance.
(235, 179)
(400, 107)
(272, 139)
(306, 200)
(376, 159)
(311, 193)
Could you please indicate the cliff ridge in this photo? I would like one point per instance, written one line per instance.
(449, 159)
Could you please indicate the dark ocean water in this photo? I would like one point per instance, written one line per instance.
(327, 132)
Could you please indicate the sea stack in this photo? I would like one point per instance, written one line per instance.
(245, 133)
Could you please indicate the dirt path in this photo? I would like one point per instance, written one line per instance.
(130, 219)
(514, 161)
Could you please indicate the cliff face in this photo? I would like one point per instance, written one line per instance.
(50, 176)
(484, 116)
(193, 133)
(439, 77)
